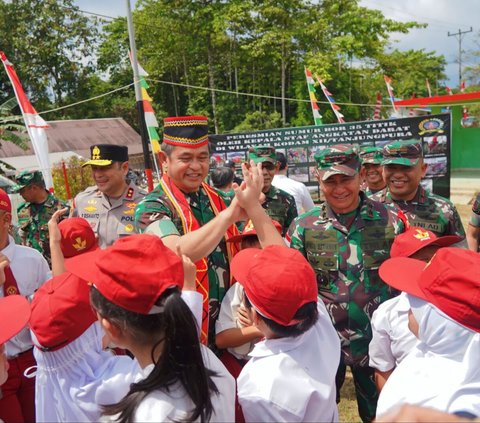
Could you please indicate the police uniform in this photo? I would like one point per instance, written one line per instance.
(346, 251)
(110, 218)
(278, 204)
(33, 218)
(426, 210)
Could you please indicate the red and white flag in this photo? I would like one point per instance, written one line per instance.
(378, 107)
(449, 91)
(388, 83)
(462, 87)
(33, 121)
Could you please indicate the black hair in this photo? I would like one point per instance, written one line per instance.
(39, 184)
(250, 241)
(221, 177)
(168, 149)
(281, 159)
(307, 315)
(180, 361)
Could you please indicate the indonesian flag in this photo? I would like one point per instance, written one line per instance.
(388, 82)
(462, 87)
(34, 123)
(449, 91)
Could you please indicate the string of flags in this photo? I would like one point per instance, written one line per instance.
(317, 117)
(328, 95)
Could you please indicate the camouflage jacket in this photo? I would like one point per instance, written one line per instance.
(281, 207)
(475, 216)
(33, 223)
(428, 211)
(346, 263)
(156, 206)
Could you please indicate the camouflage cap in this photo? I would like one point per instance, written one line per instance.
(26, 177)
(262, 153)
(405, 152)
(371, 154)
(338, 159)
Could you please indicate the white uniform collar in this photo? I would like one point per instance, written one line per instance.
(9, 250)
(270, 347)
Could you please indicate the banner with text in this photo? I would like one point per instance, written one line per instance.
(300, 144)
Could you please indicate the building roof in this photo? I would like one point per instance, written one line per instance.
(439, 99)
(76, 136)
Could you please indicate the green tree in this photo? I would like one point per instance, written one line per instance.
(9, 128)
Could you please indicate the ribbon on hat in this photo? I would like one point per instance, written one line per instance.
(190, 224)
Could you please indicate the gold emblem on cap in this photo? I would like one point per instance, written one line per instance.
(422, 235)
(80, 244)
(96, 153)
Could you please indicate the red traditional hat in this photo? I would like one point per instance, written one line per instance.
(249, 230)
(414, 239)
(14, 315)
(450, 281)
(277, 281)
(185, 131)
(61, 311)
(133, 273)
(5, 203)
(77, 236)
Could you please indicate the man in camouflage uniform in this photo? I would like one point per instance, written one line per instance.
(110, 205)
(185, 211)
(345, 239)
(279, 205)
(473, 229)
(371, 172)
(403, 169)
(34, 214)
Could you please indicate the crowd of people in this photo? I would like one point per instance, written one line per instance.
(239, 300)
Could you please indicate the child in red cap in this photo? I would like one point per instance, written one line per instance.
(442, 371)
(136, 285)
(391, 338)
(291, 373)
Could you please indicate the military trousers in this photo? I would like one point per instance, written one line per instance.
(365, 389)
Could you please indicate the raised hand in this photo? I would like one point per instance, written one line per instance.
(53, 231)
(189, 271)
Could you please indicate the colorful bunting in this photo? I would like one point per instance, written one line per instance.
(317, 117)
(328, 95)
(378, 107)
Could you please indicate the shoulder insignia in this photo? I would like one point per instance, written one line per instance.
(130, 193)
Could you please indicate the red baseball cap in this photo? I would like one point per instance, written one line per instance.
(77, 236)
(61, 311)
(132, 273)
(249, 230)
(414, 239)
(450, 281)
(5, 203)
(14, 315)
(277, 280)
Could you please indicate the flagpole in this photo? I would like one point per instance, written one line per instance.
(138, 98)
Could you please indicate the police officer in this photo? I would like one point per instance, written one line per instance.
(36, 211)
(278, 204)
(403, 169)
(345, 239)
(109, 206)
(371, 172)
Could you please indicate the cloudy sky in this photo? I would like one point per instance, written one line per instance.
(442, 16)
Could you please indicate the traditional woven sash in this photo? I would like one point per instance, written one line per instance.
(190, 224)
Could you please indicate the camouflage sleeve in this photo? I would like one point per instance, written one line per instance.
(397, 218)
(475, 216)
(292, 212)
(455, 227)
(295, 237)
(152, 209)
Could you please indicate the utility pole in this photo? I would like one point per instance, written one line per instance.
(459, 35)
(138, 97)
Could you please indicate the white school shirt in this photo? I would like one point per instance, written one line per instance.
(176, 405)
(293, 379)
(227, 319)
(391, 339)
(299, 191)
(31, 271)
